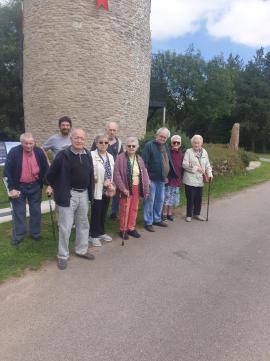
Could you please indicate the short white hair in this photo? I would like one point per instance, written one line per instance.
(76, 130)
(196, 137)
(176, 138)
(163, 129)
(27, 135)
(100, 137)
(132, 140)
(110, 123)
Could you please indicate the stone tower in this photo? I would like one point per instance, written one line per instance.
(88, 63)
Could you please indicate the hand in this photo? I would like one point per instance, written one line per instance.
(211, 179)
(126, 192)
(107, 183)
(96, 179)
(49, 191)
(14, 193)
(200, 170)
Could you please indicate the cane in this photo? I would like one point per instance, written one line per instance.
(125, 222)
(52, 220)
(208, 199)
(5, 181)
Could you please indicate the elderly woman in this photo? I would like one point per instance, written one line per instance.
(131, 180)
(103, 163)
(172, 188)
(196, 164)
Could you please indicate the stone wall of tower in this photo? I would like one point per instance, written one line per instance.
(90, 64)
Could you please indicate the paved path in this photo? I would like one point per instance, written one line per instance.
(194, 292)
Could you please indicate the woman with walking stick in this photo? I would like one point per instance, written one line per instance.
(132, 182)
(197, 171)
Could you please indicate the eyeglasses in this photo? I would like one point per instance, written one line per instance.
(176, 143)
(103, 142)
(131, 146)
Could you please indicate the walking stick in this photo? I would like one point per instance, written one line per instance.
(52, 220)
(125, 222)
(208, 200)
(5, 181)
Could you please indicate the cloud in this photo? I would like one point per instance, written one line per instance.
(242, 21)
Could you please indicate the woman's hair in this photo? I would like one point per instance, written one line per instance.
(196, 137)
(101, 137)
(132, 140)
(176, 138)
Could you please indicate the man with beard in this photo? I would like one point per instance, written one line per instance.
(60, 141)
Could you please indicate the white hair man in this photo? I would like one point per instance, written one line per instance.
(157, 159)
(25, 170)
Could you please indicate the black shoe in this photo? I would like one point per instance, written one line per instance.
(123, 235)
(134, 233)
(161, 224)
(164, 218)
(113, 216)
(86, 255)
(62, 263)
(149, 228)
(170, 217)
(14, 242)
(36, 238)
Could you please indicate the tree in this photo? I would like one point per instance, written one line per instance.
(11, 108)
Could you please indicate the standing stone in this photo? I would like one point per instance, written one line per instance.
(90, 64)
(234, 141)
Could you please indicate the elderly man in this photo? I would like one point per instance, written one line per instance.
(59, 141)
(115, 147)
(72, 178)
(25, 169)
(157, 159)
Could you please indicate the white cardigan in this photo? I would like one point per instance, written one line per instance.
(99, 172)
(191, 163)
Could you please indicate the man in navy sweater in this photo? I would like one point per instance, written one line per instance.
(25, 169)
(71, 176)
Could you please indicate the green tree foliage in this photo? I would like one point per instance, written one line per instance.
(208, 97)
(11, 109)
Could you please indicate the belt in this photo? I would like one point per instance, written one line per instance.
(30, 183)
(78, 190)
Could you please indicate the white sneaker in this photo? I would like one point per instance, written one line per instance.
(199, 218)
(105, 237)
(188, 219)
(95, 242)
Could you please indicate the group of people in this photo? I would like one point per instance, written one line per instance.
(78, 176)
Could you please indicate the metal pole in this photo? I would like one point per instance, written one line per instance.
(164, 116)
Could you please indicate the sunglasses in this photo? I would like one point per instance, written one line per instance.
(103, 142)
(176, 143)
(131, 146)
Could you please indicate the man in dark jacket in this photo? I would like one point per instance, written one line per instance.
(71, 176)
(157, 159)
(25, 169)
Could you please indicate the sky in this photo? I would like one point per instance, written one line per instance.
(213, 26)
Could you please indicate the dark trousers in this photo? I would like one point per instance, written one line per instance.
(32, 194)
(194, 200)
(98, 214)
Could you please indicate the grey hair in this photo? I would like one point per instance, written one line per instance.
(74, 130)
(197, 137)
(101, 137)
(27, 135)
(161, 130)
(132, 140)
(176, 138)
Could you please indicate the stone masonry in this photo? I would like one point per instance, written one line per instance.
(90, 64)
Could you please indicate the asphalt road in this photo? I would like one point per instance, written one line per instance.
(197, 291)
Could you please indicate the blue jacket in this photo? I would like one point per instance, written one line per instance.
(152, 157)
(13, 166)
(58, 176)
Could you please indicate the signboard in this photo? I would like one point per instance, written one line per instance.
(4, 150)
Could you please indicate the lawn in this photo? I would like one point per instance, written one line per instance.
(31, 254)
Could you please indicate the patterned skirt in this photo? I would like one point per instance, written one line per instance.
(172, 196)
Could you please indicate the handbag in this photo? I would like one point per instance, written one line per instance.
(205, 178)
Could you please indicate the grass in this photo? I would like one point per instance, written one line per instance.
(30, 255)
